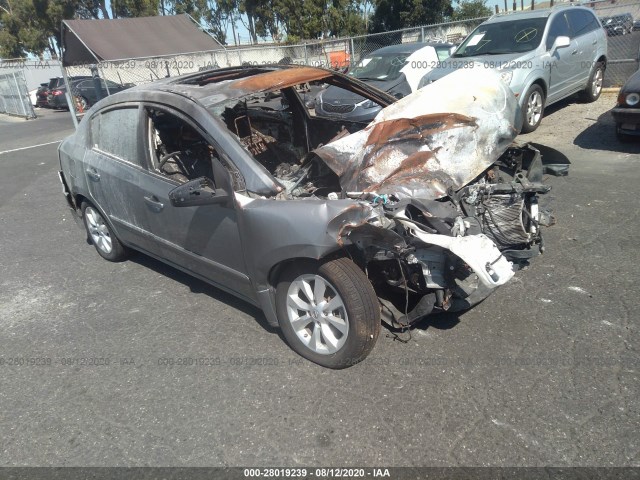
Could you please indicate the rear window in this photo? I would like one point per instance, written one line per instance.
(116, 132)
(582, 22)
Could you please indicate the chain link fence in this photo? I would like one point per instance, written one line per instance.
(624, 53)
(14, 95)
(621, 21)
(330, 53)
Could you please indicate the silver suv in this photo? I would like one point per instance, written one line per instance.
(543, 55)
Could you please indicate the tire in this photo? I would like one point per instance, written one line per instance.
(101, 236)
(533, 108)
(594, 87)
(349, 336)
(84, 103)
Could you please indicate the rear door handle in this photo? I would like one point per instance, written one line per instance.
(574, 52)
(93, 174)
(595, 42)
(154, 204)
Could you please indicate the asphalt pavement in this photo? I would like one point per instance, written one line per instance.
(137, 364)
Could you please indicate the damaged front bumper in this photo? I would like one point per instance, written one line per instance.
(426, 256)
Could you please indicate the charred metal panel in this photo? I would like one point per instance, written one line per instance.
(278, 79)
(440, 137)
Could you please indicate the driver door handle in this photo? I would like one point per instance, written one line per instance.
(154, 204)
(574, 52)
(93, 174)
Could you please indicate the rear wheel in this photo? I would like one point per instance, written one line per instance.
(329, 313)
(533, 108)
(594, 86)
(101, 236)
(84, 103)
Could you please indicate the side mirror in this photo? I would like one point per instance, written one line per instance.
(200, 191)
(561, 42)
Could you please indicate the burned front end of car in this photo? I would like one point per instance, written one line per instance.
(454, 201)
(425, 255)
(433, 200)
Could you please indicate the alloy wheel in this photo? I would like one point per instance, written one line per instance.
(317, 314)
(534, 108)
(98, 230)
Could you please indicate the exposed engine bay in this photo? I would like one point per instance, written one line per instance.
(445, 204)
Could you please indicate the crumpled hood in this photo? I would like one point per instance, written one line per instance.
(442, 136)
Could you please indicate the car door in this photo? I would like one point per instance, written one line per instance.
(563, 62)
(582, 25)
(203, 240)
(113, 166)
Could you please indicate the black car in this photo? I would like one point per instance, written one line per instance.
(627, 111)
(327, 225)
(42, 94)
(84, 92)
(618, 24)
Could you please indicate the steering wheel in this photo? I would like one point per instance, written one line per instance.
(168, 157)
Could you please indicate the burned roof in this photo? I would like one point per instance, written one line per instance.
(217, 85)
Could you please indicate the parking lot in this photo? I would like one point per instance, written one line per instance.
(138, 364)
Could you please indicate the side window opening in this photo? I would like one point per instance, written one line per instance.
(280, 129)
(115, 132)
(559, 28)
(581, 22)
(178, 150)
(266, 125)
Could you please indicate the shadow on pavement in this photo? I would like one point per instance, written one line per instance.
(602, 136)
(199, 286)
(555, 162)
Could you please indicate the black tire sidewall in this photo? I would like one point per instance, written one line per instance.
(351, 352)
(588, 96)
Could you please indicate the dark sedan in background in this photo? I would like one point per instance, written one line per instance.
(621, 24)
(627, 111)
(84, 91)
(42, 95)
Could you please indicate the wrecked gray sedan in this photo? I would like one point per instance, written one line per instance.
(327, 225)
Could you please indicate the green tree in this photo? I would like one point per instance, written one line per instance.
(396, 14)
(33, 26)
(470, 9)
(134, 8)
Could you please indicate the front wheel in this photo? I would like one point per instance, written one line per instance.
(101, 236)
(533, 108)
(329, 313)
(594, 87)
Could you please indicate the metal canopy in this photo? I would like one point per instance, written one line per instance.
(93, 41)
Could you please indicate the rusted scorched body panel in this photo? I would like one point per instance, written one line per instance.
(443, 136)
